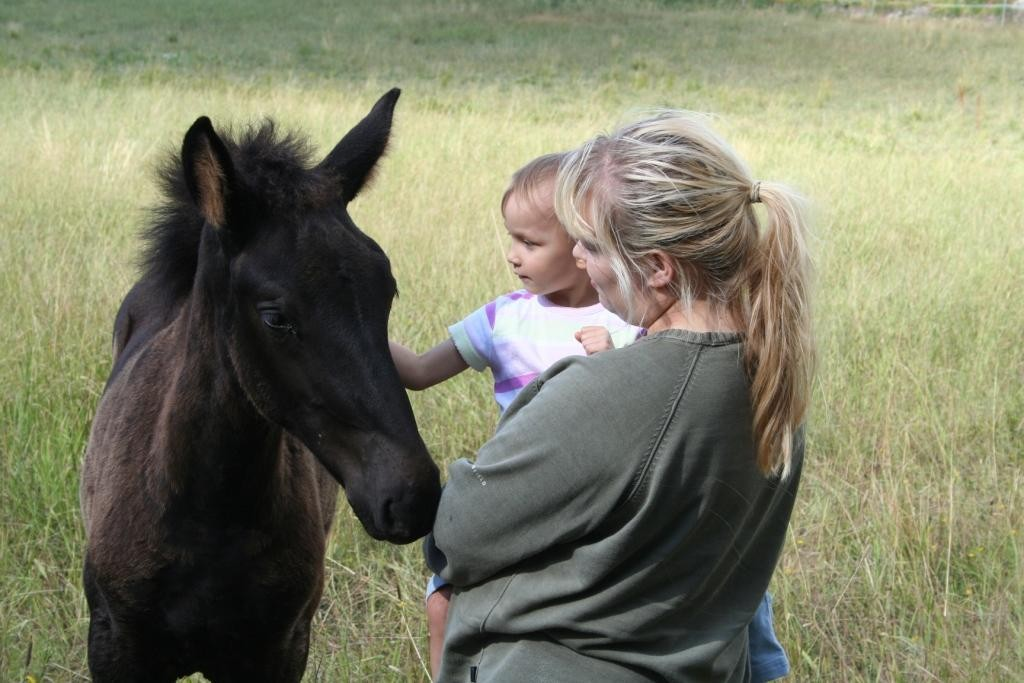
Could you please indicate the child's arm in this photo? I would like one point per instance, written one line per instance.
(595, 339)
(419, 371)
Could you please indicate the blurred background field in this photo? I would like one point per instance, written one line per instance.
(904, 561)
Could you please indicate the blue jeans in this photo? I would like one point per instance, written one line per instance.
(767, 658)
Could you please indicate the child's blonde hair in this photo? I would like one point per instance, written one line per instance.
(671, 184)
(527, 181)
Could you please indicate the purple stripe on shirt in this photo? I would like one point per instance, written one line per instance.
(490, 313)
(514, 383)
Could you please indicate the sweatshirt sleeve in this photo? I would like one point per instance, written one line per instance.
(564, 455)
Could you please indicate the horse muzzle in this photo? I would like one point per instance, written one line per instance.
(393, 488)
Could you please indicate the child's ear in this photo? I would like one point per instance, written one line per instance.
(663, 269)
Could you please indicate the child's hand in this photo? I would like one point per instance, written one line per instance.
(595, 339)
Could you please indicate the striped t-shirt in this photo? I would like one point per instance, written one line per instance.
(519, 335)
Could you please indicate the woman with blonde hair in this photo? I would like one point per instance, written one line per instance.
(625, 520)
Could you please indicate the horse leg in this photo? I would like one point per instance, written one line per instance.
(296, 655)
(264, 662)
(115, 656)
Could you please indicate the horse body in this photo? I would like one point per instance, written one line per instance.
(250, 377)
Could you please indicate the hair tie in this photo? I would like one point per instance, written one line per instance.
(755, 192)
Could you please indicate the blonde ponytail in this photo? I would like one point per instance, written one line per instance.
(780, 346)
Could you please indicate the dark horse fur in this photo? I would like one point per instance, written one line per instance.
(251, 376)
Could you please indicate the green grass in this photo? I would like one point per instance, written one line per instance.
(904, 560)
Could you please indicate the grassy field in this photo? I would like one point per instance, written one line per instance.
(904, 561)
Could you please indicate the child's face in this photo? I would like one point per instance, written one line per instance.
(541, 252)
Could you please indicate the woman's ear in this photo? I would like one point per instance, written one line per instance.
(663, 269)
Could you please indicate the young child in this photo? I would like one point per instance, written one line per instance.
(519, 335)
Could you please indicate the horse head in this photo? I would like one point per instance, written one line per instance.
(305, 298)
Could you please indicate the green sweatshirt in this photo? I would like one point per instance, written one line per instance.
(616, 527)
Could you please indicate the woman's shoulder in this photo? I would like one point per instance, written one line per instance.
(663, 361)
(672, 346)
(650, 367)
(634, 371)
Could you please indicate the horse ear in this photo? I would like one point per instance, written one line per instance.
(209, 171)
(353, 159)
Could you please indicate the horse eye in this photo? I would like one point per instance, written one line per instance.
(275, 321)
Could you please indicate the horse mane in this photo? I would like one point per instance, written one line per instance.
(271, 168)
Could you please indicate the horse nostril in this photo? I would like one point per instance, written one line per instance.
(403, 518)
(388, 518)
(398, 519)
